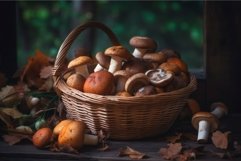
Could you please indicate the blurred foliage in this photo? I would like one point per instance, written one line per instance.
(173, 24)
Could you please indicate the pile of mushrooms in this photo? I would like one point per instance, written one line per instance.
(117, 71)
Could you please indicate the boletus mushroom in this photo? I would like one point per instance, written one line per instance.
(135, 82)
(101, 82)
(117, 54)
(80, 65)
(205, 123)
(142, 45)
(219, 109)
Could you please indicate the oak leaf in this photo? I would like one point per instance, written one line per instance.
(220, 139)
(131, 153)
(31, 72)
(172, 151)
(15, 138)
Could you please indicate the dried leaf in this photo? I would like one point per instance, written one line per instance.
(174, 139)
(172, 151)
(6, 91)
(47, 85)
(31, 72)
(6, 119)
(46, 72)
(220, 139)
(12, 112)
(15, 138)
(191, 153)
(63, 148)
(131, 153)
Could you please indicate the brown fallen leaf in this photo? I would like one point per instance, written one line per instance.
(131, 153)
(191, 153)
(175, 138)
(172, 151)
(220, 139)
(31, 72)
(62, 148)
(46, 72)
(15, 138)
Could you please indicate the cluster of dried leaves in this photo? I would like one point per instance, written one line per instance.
(30, 102)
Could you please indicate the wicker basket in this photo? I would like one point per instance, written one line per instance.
(124, 118)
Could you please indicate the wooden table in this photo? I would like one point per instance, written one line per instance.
(25, 151)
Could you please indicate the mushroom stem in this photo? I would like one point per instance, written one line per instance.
(203, 131)
(139, 53)
(83, 70)
(98, 67)
(218, 112)
(115, 64)
(90, 139)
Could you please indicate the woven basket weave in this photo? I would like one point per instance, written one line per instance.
(124, 118)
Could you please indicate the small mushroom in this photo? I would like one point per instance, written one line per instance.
(179, 62)
(170, 67)
(155, 58)
(121, 77)
(103, 61)
(80, 65)
(146, 90)
(219, 109)
(135, 65)
(142, 45)
(76, 81)
(135, 82)
(170, 53)
(205, 123)
(117, 54)
(159, 77)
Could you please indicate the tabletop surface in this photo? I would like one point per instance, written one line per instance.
(25, 151)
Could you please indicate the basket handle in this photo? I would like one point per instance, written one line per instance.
(63, 50)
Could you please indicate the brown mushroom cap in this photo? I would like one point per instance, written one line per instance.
(135, 82)
(170, 67)
(157, 57)
(121, 77)
(118, 51)
(221, 105)
(102, 59)
(81, 60)
(170, 53)
(101, 82)
(135, 65)
(76, 81)
(143, 43)
(213, 121)
(159, 77)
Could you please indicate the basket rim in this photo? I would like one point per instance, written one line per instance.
(62, 87)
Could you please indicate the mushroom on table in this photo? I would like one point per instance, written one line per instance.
(204, 122)
(219, 109)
